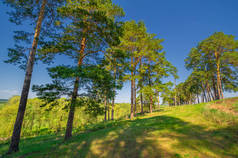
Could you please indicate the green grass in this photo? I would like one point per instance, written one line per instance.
(177, 132)
(2, 103)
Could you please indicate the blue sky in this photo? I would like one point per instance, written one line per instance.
(181, 23)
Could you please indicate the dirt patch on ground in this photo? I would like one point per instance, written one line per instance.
(224, 108)
(228, 101)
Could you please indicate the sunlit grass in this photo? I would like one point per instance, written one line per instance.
(179, 132)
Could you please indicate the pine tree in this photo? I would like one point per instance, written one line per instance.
(92, 28)
(41, 14)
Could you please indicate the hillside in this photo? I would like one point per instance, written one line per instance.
(196, 131)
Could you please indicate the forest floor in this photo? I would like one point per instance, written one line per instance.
(190, 131)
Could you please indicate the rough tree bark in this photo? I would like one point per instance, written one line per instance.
(69, 127)
(15, 139)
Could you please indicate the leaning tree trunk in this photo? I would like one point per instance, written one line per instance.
(69, 128)
(68, 132)
(15, 139)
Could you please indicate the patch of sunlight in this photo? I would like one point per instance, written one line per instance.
(112, 135)
(95, 147)
(122, 143)
(81, 145)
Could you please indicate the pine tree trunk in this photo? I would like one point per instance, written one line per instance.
(132, 100)
(219, 87)
(114, 90)
(141, 95)
(141, 103)
(69, 127)
(134, 83)
(15, 139)
(132, 91)
(214, 88)
(210, 92)
(158, 102)
(112, 113)
(108, 112)
(175, 97)
(198, 98)
(105, 106)
(151, 104)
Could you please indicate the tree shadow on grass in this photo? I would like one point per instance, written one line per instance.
(159, 136)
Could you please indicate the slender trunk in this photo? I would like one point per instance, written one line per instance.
(15, 139)
(222, 95)
(105, 106)
(219, 87)
(175, 98)
(214, 88)
(151, 104)
(108, 112)
(158, 101)
(198, 98)
(112, 113)
(204, 93)
(114, 90)
(69, 127)
(210, 92)
(141, 95)
(141, 103)
(132, 99)
(132, 91)
(150, 84)
(134, 94)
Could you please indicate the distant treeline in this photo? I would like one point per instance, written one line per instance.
(3, 100)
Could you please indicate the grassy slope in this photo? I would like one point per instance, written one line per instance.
(172, 132)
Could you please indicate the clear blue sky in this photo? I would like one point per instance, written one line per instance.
(181, 23)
